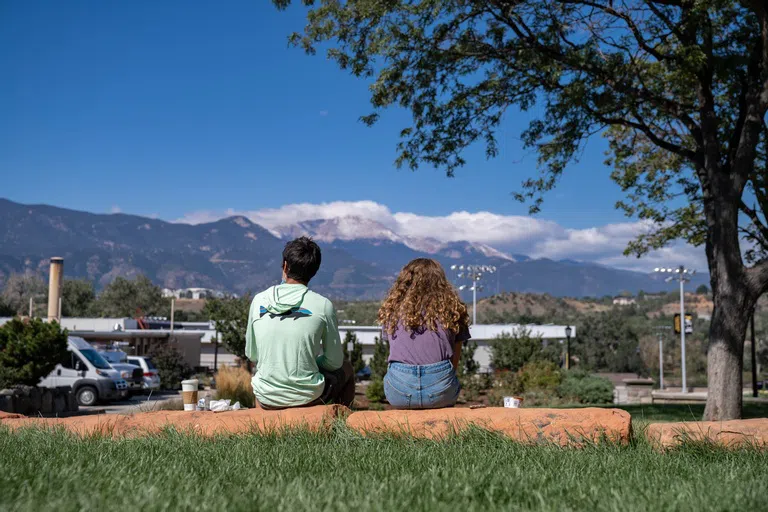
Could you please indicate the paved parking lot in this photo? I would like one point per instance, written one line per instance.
(137, 403)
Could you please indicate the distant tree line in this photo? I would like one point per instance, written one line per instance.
(121, 298)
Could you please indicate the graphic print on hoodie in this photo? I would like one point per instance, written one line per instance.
(292, 333)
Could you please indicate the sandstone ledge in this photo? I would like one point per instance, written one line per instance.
(730, 434)
(203, 423)
(559, 426)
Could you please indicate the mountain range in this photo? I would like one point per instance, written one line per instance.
(360, 257)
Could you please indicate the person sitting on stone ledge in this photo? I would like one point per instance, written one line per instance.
(288, 325)
(426, 324)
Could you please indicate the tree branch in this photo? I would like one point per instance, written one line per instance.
(755, 218)
(757, 278)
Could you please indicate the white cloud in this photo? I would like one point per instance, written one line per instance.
(511, 233)
(115, 209)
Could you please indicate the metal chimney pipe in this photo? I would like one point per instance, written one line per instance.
(54, 289)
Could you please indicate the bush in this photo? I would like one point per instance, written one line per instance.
(375, 391)
(471, 385)
(468, 366)
(536, 382)
(579, 386)
(170, 364)
(234, 383)
(379, 362)
(29, 351)
(539, 376)
(512, 351)
(356, 356)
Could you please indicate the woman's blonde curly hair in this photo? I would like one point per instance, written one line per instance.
(423, 297)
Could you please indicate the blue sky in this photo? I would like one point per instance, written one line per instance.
(169, 107)
(186, 111)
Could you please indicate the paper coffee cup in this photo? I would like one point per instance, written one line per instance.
(189, 394)
(512, 402)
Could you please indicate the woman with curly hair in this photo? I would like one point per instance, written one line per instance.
(426, 324)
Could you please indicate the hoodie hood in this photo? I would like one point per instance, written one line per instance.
(285, 297)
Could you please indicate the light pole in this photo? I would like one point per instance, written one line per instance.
(568, 332)
(473, 273)
(682, 275)
(660, 331)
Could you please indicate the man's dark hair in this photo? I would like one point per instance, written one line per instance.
(303, 258)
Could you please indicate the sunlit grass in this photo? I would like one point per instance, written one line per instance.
(341, 470)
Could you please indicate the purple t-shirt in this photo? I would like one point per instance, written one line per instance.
(423, 346)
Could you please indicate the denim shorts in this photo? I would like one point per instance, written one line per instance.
(429, 386)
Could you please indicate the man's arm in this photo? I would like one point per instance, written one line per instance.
(333, 353)
(250, 340)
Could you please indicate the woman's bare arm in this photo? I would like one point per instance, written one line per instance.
(456, 355)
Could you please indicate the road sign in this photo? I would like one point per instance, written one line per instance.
(688, 323)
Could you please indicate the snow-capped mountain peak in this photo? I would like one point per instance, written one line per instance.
(360, 228)
(340, 228)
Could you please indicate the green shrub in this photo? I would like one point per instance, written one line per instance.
(470, 387)
(29, 351)
(512, 351)
(379, 362)
(539, 376)
(356, 355)
(170, 364)
(579, 386)
(375, 391)
(467, 364)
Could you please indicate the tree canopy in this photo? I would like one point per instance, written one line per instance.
(126, 298)
(231, 317)
(679, 88)
(77, 297)
(19, 289)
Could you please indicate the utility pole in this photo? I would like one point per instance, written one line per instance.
(681, 272)
(173, 307)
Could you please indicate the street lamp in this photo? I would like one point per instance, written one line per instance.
(682, 275)
(568, 332)
(473, 273)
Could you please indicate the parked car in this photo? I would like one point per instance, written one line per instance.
(89, 375)
(151, 375)
(133, 374)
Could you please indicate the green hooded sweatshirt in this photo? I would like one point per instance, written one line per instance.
(292, 333)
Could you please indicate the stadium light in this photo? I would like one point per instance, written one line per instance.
(683, 275)
(474, 274)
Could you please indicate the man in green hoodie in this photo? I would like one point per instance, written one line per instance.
(293, 338)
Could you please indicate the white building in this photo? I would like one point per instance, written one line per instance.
(200, 350)
(366, 334)
(192, 293)
(624, 301)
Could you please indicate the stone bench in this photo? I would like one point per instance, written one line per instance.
(560, 426)
(204, 422)
(730, 434)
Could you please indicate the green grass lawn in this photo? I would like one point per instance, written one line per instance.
(685, 412)
(340, 470)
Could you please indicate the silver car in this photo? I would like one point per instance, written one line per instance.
(151, 374)
(133, 374)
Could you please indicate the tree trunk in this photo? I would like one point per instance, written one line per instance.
(734, 302)
(725, 359)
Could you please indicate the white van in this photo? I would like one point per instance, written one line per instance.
(88, 374)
